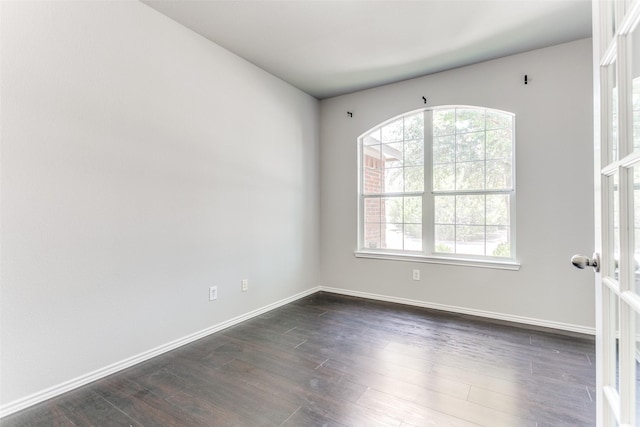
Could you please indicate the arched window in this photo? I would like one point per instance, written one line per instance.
(439, 183)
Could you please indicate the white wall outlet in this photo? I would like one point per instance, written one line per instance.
(416, 274)
(213, 293)
(245, 285)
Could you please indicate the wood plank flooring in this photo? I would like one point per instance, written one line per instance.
(330, 360)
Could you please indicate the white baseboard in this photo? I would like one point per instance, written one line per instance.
(41, 396)
(454, 309)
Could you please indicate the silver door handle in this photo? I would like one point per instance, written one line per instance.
(581, 261)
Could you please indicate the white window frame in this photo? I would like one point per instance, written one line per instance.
(428, 196)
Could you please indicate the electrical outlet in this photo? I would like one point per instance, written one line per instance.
(245, 285)
(416, 274)
(213, 293)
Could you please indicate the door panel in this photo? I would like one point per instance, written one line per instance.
(617, 142)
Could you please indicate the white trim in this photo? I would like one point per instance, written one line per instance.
(466, 262)
(613, 398)
(627, 161)
(633, 300)
(631, 20)
(462, 310)
(41, 396)
(609, 56)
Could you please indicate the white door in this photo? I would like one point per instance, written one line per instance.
(616, 40)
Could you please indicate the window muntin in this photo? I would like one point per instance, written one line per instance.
(468, 207)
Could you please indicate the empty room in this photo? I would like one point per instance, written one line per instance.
(319, 213)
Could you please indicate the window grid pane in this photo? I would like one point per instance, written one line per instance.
(393, 223)
(472, 149)
(400, 224)
(393, 157)
(473, 224)
(472, 153)
(393, 165)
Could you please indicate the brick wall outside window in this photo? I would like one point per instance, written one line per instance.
(374, 208)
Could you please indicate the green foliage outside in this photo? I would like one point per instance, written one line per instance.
(502, 250)
(443, 248)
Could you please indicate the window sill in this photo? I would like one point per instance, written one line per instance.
(434, 259)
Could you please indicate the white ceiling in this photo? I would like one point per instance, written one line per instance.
(328, 48)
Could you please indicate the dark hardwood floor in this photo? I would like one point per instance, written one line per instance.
(329, 360)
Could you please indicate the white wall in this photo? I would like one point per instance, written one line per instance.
(140, 164)
(554, 189)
